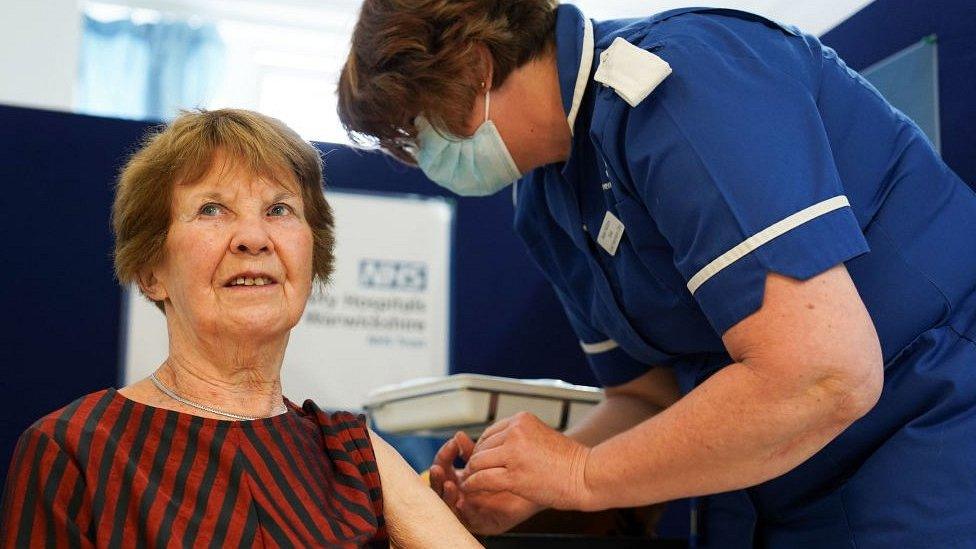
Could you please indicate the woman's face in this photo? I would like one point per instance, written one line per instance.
(238, 256)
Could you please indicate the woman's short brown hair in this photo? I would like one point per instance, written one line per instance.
(183, 152)
(418, 56)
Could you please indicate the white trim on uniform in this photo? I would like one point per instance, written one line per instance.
(762, 237)
(583, 76)
(597, 348)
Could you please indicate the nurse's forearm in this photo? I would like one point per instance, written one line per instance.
(612, 416)
(628, 404)
(737, 429)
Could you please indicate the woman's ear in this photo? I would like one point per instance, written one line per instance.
(486, 66)
(151, 286)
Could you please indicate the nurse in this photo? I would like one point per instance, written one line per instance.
(768, 267)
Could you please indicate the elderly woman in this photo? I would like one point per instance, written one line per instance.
(221, 221)
(767, 265)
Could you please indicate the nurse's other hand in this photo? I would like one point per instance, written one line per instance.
(443, 475)
(480, 512)
(526, 457)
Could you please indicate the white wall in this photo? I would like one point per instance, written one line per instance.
(39, 42)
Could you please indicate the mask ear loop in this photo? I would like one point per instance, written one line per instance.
(487, 100)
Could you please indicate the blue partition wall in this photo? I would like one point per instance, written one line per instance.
(61, 305)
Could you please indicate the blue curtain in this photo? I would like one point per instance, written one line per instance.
(147, 71)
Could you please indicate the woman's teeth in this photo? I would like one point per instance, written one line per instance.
(256, 281)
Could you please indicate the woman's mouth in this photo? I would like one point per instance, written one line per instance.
(250, 280)
(247, 281)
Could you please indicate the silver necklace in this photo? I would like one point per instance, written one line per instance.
(172, 394)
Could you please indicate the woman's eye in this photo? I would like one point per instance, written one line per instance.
(279, 210)
(210, 209)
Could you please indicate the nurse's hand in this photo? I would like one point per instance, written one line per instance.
(481, 512)
(526, 457)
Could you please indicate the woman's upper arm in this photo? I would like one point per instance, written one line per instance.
(415, 516)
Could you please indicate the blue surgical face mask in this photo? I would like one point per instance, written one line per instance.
(479, 165)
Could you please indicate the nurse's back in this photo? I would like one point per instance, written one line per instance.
(918, 216)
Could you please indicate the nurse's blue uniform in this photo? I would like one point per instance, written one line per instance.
(762, 152)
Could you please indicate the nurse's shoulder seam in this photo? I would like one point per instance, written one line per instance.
(631, 71)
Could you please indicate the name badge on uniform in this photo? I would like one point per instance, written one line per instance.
(611, 231)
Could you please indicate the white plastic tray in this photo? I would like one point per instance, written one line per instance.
(471, 402)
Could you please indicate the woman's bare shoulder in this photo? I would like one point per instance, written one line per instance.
(415, 516)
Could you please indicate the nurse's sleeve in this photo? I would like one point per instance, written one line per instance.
(607, 360)
(733, 162)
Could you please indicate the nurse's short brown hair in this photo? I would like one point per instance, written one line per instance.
(183, 152)
(418, 56)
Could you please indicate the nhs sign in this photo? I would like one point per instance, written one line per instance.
(386, 274)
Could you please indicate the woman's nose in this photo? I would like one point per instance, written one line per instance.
(251, 238)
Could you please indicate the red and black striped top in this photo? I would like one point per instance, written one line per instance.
(109, 471)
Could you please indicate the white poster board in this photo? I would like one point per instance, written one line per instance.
(385, 317)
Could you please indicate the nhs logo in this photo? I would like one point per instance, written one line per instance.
(385, 274)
